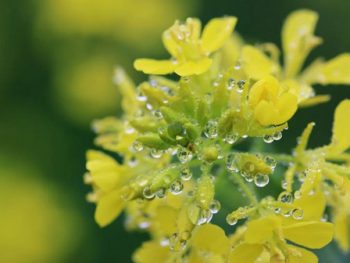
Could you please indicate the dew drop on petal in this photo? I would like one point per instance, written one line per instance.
(176, 187)
(297, 213)
(261, 180)
(185, 174)
(231, 219)
(268, 138)
(214, 206)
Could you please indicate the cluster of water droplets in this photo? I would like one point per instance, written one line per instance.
(240, 213)
(248, 172)
(274, 137)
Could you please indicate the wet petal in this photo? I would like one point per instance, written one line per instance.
(109, 206)
(298, 39)
(151, 252)
(287, 106)
(261, 230)
(336, 71)
(341, 127)
(300, 255)
(152, 66)
(311, 234)
(193, 67)
(248, 252)
(341, 230)
(256, 64)
(216, 32)
(210, 238)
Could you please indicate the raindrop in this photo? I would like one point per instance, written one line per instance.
(210, 130)
(158, 114)
(231, 219)
(161, 193)
(240, 85)
(147, 193)
(137, 146)
(268, 138)
(141, 96)
(184, 155)
(297, 213)
(156, 154)
(214, 206)
(297, 194)
(231, 138)
(247, 176)
(231, 163)
(176, 187)
(230, 83)
(270, 161)
(285, 197)
(205, 216)
(277, 136)
(261, 180)
(185, 174)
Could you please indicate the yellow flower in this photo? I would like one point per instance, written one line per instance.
(108, 177)
(271, 105)
(208, 244)
(189, 49)
(266, 236)
(298, 40)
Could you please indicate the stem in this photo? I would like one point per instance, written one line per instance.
(249, 193)
(281, 157)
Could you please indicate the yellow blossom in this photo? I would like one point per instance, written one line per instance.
(272, 106)
(189, 49)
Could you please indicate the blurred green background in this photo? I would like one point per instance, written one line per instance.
(56, 75)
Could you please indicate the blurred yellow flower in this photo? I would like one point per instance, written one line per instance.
(189, 49)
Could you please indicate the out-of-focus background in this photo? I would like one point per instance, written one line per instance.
(57, 59)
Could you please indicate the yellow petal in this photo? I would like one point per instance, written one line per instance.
(151, 252)
(256, 64)
(265, 89)
(310, 234)
(210, 238)
(127, 90)
(265, 113)
(341, 231)
(298, 39)
(152, 66)
(165, 220)
(261, 230)
(341, 127)
(312, 205)
(170, 43)
(216, 32)
(248, 253)
(300, 255)
(109, 206)
(336, 71)
(193, 67)
(286, 107)
(319, 99)
(104, 170)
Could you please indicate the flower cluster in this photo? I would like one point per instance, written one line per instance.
(189, 149)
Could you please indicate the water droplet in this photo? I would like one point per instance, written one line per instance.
(231, 138)
(230, 83)
(297, 194)
(132, 162)
(277, 136)
(210, 130)
(137, 146)
(268, 138)
(184, 155)
(141, 96)
(231, 163)
(284, 184)
(205, 216)
(231, 219)
(240, 85)
(129, 129)
(185, 174)
(156, 154)
(270, 161)
(297, 213)
(158, 114)
(277, 210)
(247, 176)
(261, 180)
(285, 197)
(149, 106)
(161, 193)
(237, 66)
(147, 193)
(176, 187)
(144, 224)
(214, 206)
(153, 83)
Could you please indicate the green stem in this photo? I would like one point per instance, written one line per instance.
(242, 184)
